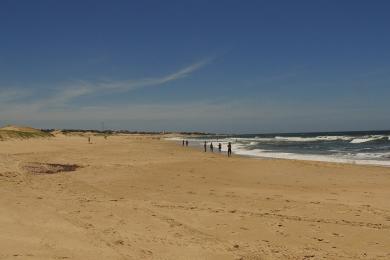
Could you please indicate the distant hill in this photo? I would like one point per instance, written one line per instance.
(21, 132)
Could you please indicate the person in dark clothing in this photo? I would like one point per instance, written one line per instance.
(219, 147)
(229, 149)
(186, 142)
(211, 147)
(183, 142)
(205, 146)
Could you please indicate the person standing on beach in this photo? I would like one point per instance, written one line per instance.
(229, 149)
(186, 142)
(211, 147)
(89, 139)
(205, 146)
(219, 147)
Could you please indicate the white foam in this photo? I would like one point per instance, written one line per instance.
(363, 160)
(312, 139)
(174, 138)
(373, 155)
(368, 139)
(253, 139)
(380, 159)
(258, 139)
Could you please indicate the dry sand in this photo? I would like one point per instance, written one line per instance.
(135, 197)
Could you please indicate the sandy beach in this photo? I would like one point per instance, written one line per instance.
(142, 197)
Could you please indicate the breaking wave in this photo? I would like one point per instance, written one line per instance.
(371, 148)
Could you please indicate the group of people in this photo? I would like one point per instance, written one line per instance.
(229, 146)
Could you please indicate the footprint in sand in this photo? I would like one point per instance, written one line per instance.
(119, 242)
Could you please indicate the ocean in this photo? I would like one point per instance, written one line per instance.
(368, 147)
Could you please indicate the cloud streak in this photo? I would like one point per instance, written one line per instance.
(87, 88)
(64, 95)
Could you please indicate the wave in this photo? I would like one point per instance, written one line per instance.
(253, 139)
(174, 138)
(325, 138)
(313, 139)
(361, 158)
(383, 155)
(258, 139)
(367, 139)
(347, 152)
(292, 139)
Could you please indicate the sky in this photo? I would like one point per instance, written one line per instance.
(213, 66)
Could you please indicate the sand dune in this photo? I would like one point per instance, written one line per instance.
(21, 132)
(137, 197)
(20, 129)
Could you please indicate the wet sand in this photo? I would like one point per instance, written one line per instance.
(138, 197)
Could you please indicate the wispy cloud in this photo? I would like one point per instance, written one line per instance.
(87, 88)
(68, 92)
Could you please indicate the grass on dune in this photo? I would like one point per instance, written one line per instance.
(10, 134)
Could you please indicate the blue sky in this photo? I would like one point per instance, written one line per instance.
(219, 66)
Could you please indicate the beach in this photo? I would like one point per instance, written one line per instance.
(143, 197)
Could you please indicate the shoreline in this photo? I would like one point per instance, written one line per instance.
(326, 159)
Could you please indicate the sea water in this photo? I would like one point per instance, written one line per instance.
(369, 147)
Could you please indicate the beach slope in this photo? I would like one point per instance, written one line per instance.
(140, 197)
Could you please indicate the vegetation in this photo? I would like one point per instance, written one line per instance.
(21, 133)
(111, 132)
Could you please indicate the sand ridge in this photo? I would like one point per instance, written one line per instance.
(12, 132)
